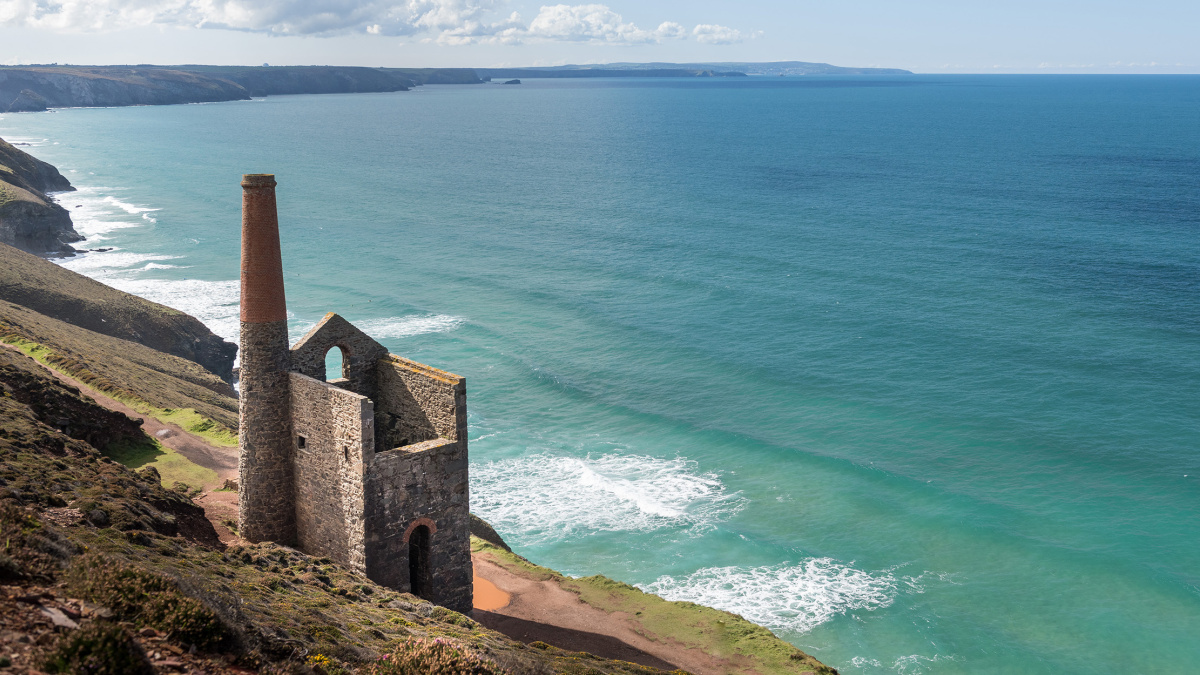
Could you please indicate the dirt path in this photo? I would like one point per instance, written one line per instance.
(543, 610)
(218, 506)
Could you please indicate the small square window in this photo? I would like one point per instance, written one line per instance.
(301, 442)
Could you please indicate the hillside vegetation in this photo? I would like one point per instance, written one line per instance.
(59, 293)
(147, 380)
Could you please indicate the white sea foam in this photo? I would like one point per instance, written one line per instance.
(913, 664)
(214, 303)
(407, 326)
(96, 213)
(109, 264)
(546, 497)
(784, 597)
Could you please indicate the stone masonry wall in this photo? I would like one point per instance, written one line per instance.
(425, 478)
(336, 426)
(423, 481)
(359, 353)
(415, 403)
(265, 432)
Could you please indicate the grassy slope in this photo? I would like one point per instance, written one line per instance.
(753, 648)
(59, 293)
(165, 386)
(10, 193)
(25, 171)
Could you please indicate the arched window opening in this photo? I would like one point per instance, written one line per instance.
(418, 561)
(335, 363)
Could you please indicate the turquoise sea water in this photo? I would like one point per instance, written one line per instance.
(906, 369)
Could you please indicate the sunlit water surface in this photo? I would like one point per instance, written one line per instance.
(906, 369)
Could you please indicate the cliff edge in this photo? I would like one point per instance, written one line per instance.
(29, 219)
(29, 282)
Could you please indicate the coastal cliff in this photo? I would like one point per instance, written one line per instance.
(29, 219)
(39, 88)
(61, 296)
(33, 223)
(36, 88)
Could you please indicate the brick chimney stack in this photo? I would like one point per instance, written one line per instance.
(268, 511)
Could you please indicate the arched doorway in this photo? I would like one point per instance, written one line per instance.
(418, 561)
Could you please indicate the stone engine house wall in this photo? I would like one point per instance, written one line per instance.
(423, 482)
(333, 445)
(384, 452)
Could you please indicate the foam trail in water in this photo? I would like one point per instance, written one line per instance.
(214, 303)
(546, 497)
(784, 597)
(407, 326)
(912, 664)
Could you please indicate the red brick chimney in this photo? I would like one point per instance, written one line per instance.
(262, 265)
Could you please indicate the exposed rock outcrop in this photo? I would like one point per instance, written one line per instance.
(29, 219)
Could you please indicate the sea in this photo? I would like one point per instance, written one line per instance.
(906, 369)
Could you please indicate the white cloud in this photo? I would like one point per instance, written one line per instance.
(280, 17)
(585, 23)
(714, 34)
(453, 22)
(596, 24)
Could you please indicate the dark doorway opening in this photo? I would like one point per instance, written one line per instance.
(418, 561)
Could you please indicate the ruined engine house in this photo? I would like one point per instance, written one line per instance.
(369, 469)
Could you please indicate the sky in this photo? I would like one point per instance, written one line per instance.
(928, 36)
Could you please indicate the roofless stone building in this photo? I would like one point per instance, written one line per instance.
(369, 469)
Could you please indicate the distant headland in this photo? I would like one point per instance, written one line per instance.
(714, 69)
(40, 87)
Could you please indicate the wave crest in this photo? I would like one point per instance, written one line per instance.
(545, 497)
(786, 597)
(407, 326)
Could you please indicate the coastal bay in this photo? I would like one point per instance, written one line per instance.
(751, 342)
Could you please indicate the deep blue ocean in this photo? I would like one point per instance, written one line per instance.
(905, 369)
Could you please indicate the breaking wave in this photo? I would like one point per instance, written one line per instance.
(785, 597)
(95, 212)
(545, 497)
(407, 326)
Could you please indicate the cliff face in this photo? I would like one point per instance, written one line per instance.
(280, 80)
(25, 89)
(37, 88)
(29, 220)
(60, 294)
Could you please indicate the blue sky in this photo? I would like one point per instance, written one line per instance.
(935, 36)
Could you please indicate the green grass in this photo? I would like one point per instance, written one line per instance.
(172, 466)
(195, 423)
(186, 418)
